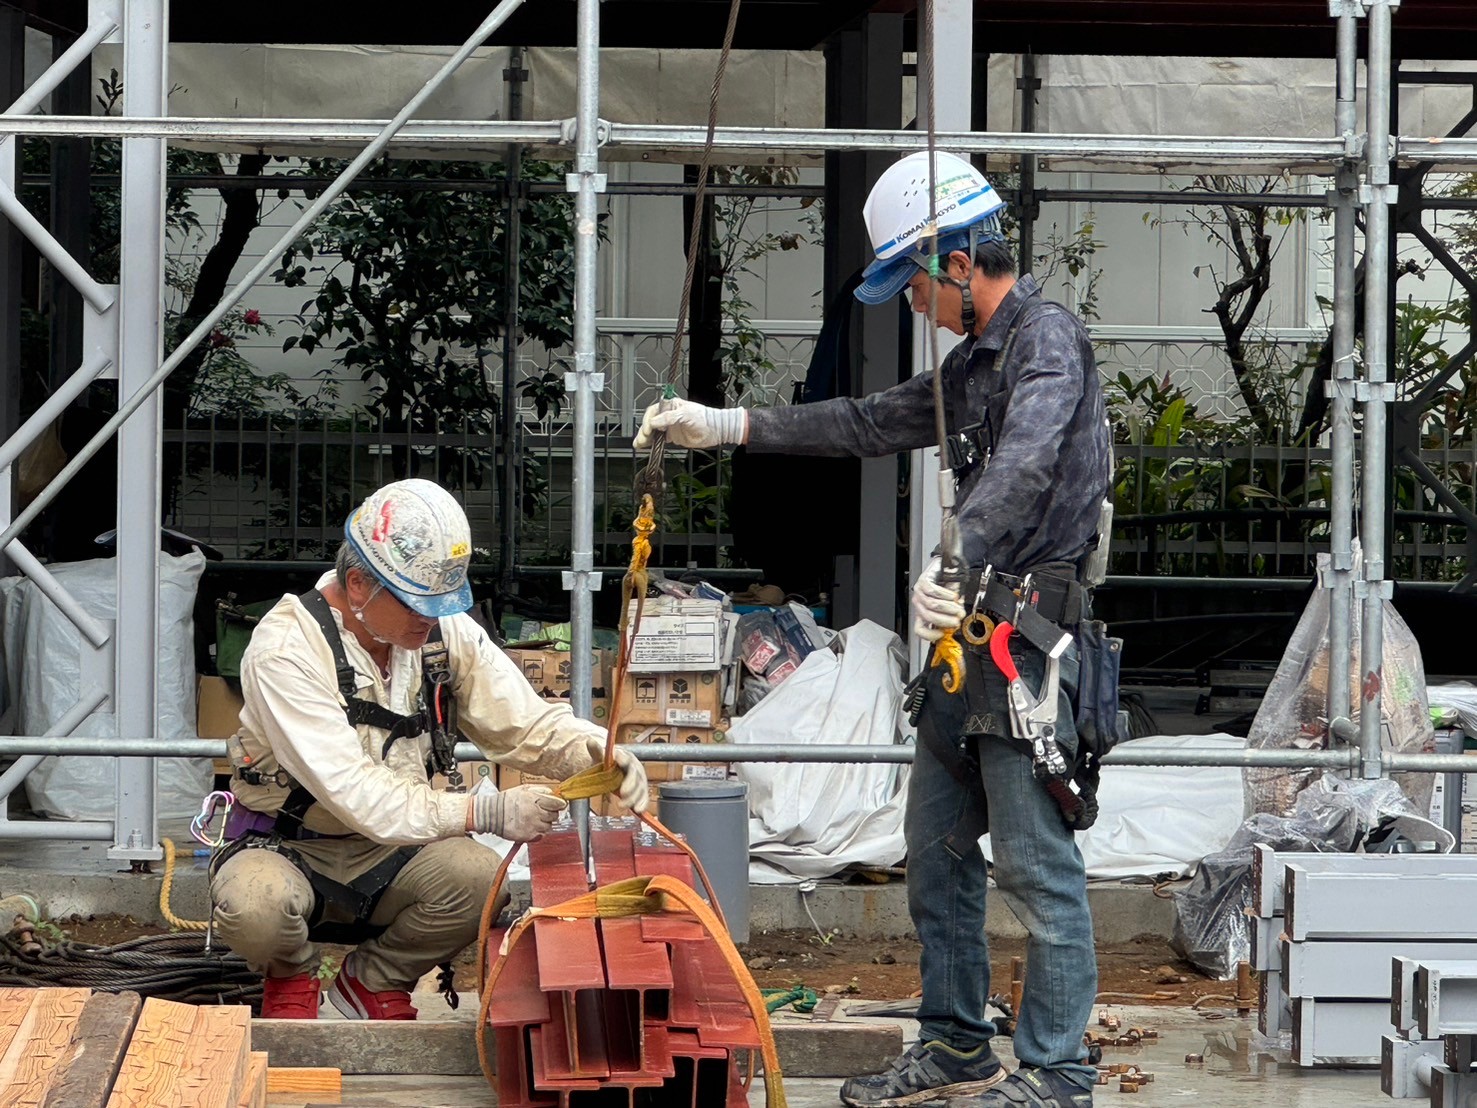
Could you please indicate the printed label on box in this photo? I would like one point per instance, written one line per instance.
(689, 717)
(706, 771)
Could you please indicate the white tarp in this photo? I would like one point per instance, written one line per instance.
(1163, 819)
(814, 820)
(1155, 820)
(44, 671)
(1291, 97)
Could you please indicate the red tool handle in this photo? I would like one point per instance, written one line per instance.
(1000, 651)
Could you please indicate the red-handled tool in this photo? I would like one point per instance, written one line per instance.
(1032, 718)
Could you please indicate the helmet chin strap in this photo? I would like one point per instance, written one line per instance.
(966, 294)
(966, 306)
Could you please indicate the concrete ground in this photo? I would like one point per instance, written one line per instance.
(1237, 1073)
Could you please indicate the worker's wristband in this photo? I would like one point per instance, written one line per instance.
(487, 811)
(729, 425)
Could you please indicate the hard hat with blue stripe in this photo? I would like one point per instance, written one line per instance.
(897, 217)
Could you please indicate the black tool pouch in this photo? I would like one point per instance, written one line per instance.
(1099, 656)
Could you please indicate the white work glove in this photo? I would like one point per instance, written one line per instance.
(633, 792)
(519, 815)
(694, 426)
(936, 608)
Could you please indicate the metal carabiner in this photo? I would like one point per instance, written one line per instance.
(977, 626)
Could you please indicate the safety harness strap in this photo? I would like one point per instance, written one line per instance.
(360, 712)
(973, 440)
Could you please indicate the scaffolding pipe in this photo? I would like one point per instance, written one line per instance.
(1157, 151)
(62, 67)
(140, 323)
(1377, 385)
(72, 719)
(100, 297)
(1340, 386)
(92, 629)
(259, 270)
(13, 447)
(1147, 755)
(55, 829)
(508, 504)
(585, 182)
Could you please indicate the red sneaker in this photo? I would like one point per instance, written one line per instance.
(355, 1002)
(290, 998)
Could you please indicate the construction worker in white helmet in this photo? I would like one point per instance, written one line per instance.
(1023, 395)
(338, 835)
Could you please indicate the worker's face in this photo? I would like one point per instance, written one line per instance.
(950, 310)
(383, 615)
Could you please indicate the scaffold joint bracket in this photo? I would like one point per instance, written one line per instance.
(1384, 590)
(1362, 392)
(1370, 195)
(592, 580)
(584, 379)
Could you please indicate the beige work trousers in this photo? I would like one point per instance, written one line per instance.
(430, 911)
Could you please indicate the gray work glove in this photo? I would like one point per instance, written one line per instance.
(694, 426)
(936, 608)
(633, 792)
(519, 815)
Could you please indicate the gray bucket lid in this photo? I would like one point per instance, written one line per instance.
(703, 790)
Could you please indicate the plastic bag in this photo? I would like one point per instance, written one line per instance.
(1211, 927)
(1294, 712)
(44, 671)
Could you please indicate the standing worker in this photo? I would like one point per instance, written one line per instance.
(349, 695)
(1031, 453)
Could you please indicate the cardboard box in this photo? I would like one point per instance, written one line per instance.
(690, 698)
(217, 716)
(509, 778)
(599, 707)
(217, 708)
(472, 773)
(659, 733)
(677, 635)
(548, 671)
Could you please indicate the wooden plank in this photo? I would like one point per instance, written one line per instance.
(257, 1078)
(86, 1073)
(216, 1071)
(38, 1045)
(298, 1079)
(158, 1056)
(14, 1004)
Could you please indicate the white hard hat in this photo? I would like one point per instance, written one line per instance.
(415, 537)
(897, 218)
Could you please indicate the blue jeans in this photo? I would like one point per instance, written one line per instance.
(1038, 869)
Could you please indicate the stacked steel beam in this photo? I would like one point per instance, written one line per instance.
(1324, 929)
(640, 1011)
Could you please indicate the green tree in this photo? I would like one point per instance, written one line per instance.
(408, 289)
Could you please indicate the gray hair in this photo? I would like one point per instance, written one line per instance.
(349, 558)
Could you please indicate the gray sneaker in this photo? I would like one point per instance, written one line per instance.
(924, 1072)
(1027, 1087)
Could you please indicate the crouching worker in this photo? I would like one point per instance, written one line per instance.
(338, 835)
